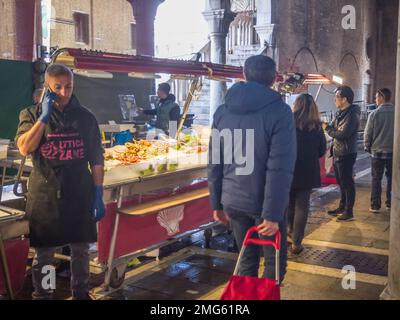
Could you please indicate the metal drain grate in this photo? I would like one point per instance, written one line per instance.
(338, 258)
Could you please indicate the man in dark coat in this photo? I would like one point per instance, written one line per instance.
(344, 131)
(256, 122)
(64, 197)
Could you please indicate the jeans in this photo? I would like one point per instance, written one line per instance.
(379, 167)
(344, 175)
(299, 207)
(79, 270)
(241, 222)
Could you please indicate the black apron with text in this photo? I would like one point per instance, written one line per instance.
(60, 189)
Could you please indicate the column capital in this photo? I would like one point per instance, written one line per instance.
(219, 20)
(145, 9)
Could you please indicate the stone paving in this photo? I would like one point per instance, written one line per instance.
(191, 272)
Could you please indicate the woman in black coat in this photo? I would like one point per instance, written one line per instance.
(311, 146)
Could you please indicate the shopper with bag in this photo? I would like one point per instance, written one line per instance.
(259, 197)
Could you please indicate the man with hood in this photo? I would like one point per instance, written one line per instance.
(256, 122)
(167, 110)
(344, 131)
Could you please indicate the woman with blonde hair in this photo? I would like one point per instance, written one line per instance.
(311, 145)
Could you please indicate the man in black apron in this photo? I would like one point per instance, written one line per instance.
(64, 199)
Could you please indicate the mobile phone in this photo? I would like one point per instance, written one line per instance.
(51, 91)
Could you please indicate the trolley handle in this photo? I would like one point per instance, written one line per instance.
(260, 242)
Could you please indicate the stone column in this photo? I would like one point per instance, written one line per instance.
(219, 17)
(392, 291)
(145, 12)
(25, 29)
(265, 27)
(369, 55)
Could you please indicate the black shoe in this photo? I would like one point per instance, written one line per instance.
(296, 250)
(336, 212)
(374, 210)
(345, 217)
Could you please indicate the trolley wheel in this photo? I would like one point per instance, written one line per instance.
(116, 279)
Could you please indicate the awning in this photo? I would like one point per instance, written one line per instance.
(111, 62)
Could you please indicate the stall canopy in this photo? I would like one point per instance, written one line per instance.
(111, 62)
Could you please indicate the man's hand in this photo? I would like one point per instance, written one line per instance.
(268, 228)
(99, 209)
(47, 107)
(220, 216)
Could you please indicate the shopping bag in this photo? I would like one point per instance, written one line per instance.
(253, 288)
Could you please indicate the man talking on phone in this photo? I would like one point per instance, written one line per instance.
(65, 197)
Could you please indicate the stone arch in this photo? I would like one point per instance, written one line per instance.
(350, 69)
(304, 61)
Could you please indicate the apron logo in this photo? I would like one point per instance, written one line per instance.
(63, 147)
(170, 218)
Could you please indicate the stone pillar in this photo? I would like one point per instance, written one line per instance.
(392, 291)
(25, 29)
(369, 55)
(219, 17)
(265, 27)
(145, 12)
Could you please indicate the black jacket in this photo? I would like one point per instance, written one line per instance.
(262, 185)
(344, 131)
(311, 145)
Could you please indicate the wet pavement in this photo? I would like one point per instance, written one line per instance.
(187, 270)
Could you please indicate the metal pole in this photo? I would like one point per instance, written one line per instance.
(192, 91)
(110, 260)
(319, 92)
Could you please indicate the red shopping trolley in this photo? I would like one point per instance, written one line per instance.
(253, 288)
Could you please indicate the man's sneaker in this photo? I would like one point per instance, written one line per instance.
(388, 208)
(336, 212)
(345, 217)
(374, 210)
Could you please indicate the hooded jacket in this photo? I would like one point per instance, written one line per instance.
(258, 125)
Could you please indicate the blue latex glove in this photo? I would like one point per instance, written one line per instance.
(47, 106)
(99, 209)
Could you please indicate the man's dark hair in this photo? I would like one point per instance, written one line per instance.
(346, 92)
(260, 69)
(56, 70)
(164, 87)
(386, 94)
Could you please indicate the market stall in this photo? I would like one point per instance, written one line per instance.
(14, 247)
(155, 190)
